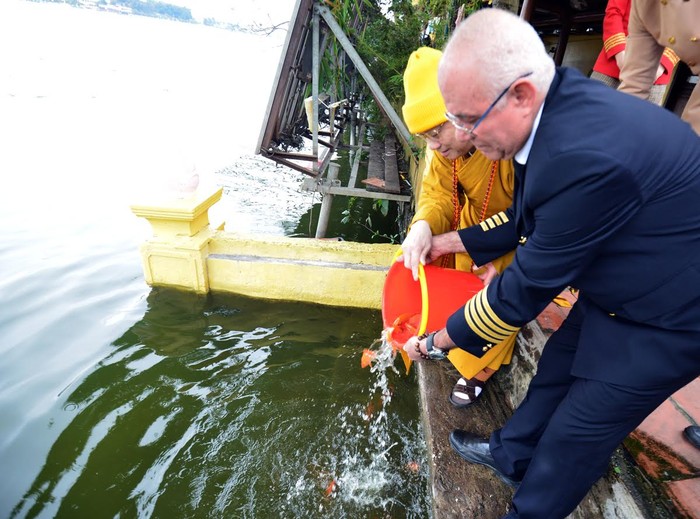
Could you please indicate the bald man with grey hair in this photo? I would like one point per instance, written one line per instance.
(520, 42)
(619, 222)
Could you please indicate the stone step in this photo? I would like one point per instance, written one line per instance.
(666, 457)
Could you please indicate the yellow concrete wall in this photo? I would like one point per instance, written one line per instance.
(186, 252)
(337, 273)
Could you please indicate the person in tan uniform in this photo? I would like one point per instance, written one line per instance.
(653, 25)
(460, 188)
(611, 57)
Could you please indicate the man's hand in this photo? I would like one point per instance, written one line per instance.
(417, 347)
(416, 246)
(659, 72)
(620, 59)
(445, 244)
(486, 273)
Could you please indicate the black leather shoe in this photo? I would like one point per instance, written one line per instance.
(692, 434)
(476, 450)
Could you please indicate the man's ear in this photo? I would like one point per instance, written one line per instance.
(524, 94)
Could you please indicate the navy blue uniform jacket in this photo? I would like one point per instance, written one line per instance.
(609, 203)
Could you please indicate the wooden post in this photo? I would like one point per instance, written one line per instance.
(327, 202)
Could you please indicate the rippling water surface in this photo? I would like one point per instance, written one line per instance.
(118, 400)
(224, 406)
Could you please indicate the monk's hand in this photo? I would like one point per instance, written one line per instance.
(417, 347)
(416, 247)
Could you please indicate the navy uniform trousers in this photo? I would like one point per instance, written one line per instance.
(583, 418)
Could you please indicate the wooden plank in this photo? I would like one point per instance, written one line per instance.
(375, 167)
(391, 166)
(366, 193)
(357, 156)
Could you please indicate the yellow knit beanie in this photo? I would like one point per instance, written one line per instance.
(424, 108)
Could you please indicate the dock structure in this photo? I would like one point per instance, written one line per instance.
(332, 118)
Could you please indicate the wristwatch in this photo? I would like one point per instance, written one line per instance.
(433, 352)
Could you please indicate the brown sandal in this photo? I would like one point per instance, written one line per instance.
(465, 392)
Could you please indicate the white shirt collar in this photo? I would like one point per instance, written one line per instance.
(524, 153)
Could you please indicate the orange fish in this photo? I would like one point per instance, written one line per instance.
(330, 488)
(368, 357)
(403, 328)
(413, 466)
(369, 411)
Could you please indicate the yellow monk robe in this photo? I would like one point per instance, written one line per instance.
(436, 207)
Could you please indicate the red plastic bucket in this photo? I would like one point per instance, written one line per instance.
(437, 294)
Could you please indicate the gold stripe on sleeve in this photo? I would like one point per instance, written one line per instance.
(470, 316)
(481, 318)
(501, 218)
(614, 40)
(672, 56)
(495, 321)
(494, 221)
(496, 335)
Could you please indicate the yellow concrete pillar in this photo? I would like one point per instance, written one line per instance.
(177, 253)
(186, 252)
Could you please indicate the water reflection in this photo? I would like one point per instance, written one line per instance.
(223, 406)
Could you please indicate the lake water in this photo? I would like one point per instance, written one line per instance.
(118, 400)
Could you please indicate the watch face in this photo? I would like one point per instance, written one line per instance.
(433, 352)
(436, 354)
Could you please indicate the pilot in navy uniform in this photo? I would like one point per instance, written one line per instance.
(606, 200)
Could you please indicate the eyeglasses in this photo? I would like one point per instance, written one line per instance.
(432, 134)
(458, 121)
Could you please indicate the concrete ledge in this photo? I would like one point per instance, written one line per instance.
(337, 273)
(459, 489)
(187, 253)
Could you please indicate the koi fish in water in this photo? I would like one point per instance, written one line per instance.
(368, 357)
(403, 328)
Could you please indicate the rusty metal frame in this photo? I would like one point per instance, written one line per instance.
(297, 69)
(310, 30)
